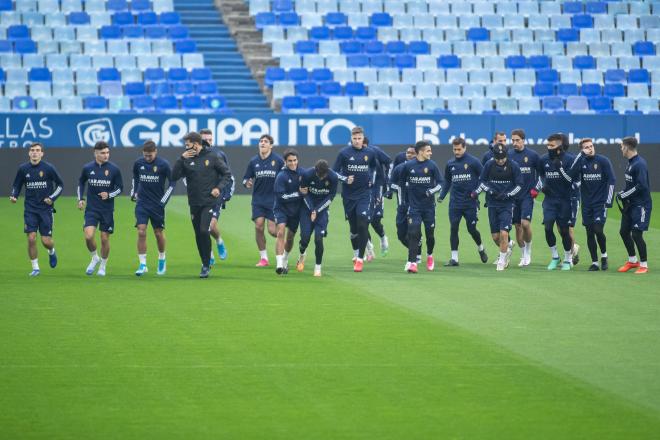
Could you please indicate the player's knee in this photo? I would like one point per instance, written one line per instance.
(637, 235)
(453, 227)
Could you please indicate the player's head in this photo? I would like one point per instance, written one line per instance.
(587, 147)
(291, 159)
(322, 169)
(357, 137)
(101, 152)
(207, 135)
(365, 142)
(36, 152)
(423, 150)
(149, 151)
(518, 139)
(499, 138)
(554, 143)
(500, 153)
(629, 147)
(458, 146)
(193, 141)
(266, 142)
(564, 142)
(410, 152)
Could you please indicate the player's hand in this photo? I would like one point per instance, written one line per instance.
(533, 192)
(48, 201)
(215, 192)
(134, 198)
(350, 179)
(608, 205)
(189, 153)
(474, 195)
(12, 199)
(313, 216)
(81, 204)
(104, 195)
(303, 190)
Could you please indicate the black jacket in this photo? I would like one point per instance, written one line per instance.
(203, 173)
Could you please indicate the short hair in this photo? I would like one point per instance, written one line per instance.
(499, 133)
(290, 152)
(421, 144)
(556, 137)
(322, 168)
(630, 142)
(37, 144)
(585, 140)
(193, 137)
(101, 145)
(205, 131)
(458, 141)
(365, 141)
(518, 132)
(357, 130)
(149, 146)
(267, 137)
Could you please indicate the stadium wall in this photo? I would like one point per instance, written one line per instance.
(69, 161)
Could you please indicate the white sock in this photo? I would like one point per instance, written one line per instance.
(633, 259)
(94, 255)
(528, 247)
(35, 264)
(212, 256)
(480, 247)
(219, 240)
(161, 255)
(317, 268)
(643, 264)
(51, 251)
(502, 257)
(568, 257)
(594, 263)
(511, 243)
(356, 252)
(555, 254)
(142, 258)
(285, 257)
(603, 255)
(454, 255)
(104, 261)
(263, 254)
(280, 260)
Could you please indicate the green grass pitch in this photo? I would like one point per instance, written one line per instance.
(460, 353)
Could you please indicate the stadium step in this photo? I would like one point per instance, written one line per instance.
(221, 55)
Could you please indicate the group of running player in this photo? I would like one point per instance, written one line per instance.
(286, 197)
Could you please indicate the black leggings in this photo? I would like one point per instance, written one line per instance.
(595, 233)
(377, 224)
(632, 237)
(550, 238)
(453, 235)
(201, 221)
(359, 233)
(415, 240)
(318, 246)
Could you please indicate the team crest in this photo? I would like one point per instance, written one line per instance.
(206, 162)
(155, 169)
(426, 170)
(366, 158)
(106, 173)
(595, 166)
(465, 166)
(41, 174)
(272, 163)
(526, 159)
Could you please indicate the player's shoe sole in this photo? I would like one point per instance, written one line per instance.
(358, 266)
(628, 266)
(52, 260)
(317, 273)
(100, 273)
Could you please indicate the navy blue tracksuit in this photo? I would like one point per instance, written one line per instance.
(152, 187)
(41, 181)
(100, 178)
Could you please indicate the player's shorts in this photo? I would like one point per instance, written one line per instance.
(319, 227)
(259, 210)
(637, 217)
(145, 214)
(522, 209)
(500, 218)
(402, 215)
(290, 216)
(596, 214)
(358, 208)
(216, 211)
(575, 207)
(418, 216)
(470, 213)
(105, 221)
(557, 210)
(41, 221)
(377, 203)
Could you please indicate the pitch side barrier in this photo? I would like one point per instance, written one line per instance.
(69, 161)
(129, 130)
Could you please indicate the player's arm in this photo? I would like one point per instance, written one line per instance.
(224, 175)
(248, 177)
(517, 180)
(385, 164)
(395, 182)
(16, 187)
(483, 182)
(80, 189)
(171, 184)
(117, 185)
(135, 182)
(639, 176)
(339, 163)
(437, 176)
(326, 201)
(447, 186)
(177, 170)
(572, 171)
(304, 190)
(611, 181)
(59, 186)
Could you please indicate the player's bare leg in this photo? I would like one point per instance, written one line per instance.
(90, 241)
(142, 250)
(260, 238)
(161, 242)
(105, 253)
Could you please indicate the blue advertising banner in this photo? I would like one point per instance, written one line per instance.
(128, 130)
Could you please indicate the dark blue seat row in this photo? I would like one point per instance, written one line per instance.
(162, 103)
(611, 90)
(18, 46)
(173, 88)
(290, 18)
(123, 5)
(596, 103)
(404, 61)
(156, 74)
(174, 32)
(146, 18)
(290, 103)
(297, 74)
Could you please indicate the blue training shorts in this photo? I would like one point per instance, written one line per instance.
(41, 221)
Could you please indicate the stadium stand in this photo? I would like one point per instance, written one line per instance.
(98, 55)
(395, 56)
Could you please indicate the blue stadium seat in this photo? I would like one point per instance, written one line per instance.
(582, 21)
(317, 103)
(291, 103)
(615, 76)
(170, 18)
(25, 46)
(6, 5)
(544, 89)
(155, 32)
(178, 32)
(305, 46)
(419, 47)
(177, 74)
(298, 74)
(132, 31)
(140, 5)
(614, 90)
(108, 74)
(567, 89)
(306, 88)
(192, 102)
(449, 62)
(357, 61)
(142, 103)
(79, 18)
(643, 48)
(350, 47)
(553, 103)
(274, 74)
(263, 19)
(110, 32)
(321, 74)
(167, 103)
(216, 103)
(381, 19)
(185, 46)
(577, 104)
(6, 46)
(373, 47)
(584, 62)
(2, 76)
(355, 89)
(135, 88)
(282, 6)
(365, 33)
(18, 32)
(395, 47)
(539, 62)
(147, 18)
(95, 103)
(600, 103)
(206, 88)
(159, 88)
(478, 34)
(288, 19)
(572, 7)
(405, 61)
(591, 90)
(638, 76)
(568, 34)
(202, 74)
(596, 7)
(182, 88)
(23, 103)
(515, 62)
(318, 33)
(117, 5)
(330, 88)
(547, 75)
(336, 19)
(381, 61)
(123, 18)
(343, 33)
(39, 74)
(154, 74)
